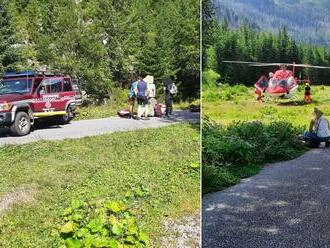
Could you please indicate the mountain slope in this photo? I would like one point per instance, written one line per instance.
(306, 20)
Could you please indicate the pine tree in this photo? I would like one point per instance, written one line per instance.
(9, 51)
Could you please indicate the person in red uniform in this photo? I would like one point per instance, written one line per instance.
(308, 96)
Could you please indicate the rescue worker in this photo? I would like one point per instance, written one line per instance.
(308, 97)
(260, 96)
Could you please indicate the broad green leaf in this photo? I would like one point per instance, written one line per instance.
(114, 206)
(144, 238)
(100, 242)
(130, 240)
(113, 243)
(88, 241)
(113, 220)
(117, 229)
(95, 225)
(82, 232)
(139, 192)
(73, 243)
(77, 217)
(132, 229)
(75, 204)
(67, 227)
(195, 165)
(129, 195)
(67, 211)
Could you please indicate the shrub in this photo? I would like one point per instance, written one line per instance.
(215, 178)
(210, 77)
(243, 145)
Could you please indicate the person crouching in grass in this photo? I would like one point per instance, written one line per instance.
(142, 99)
(319, 130)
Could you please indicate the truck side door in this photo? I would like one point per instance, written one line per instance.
(49, 96)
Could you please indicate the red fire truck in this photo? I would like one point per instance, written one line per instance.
(29, 95)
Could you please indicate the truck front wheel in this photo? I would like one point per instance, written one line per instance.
(21, 125)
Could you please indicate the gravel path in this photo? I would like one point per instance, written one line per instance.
(79, 129)
(286, 205)
(182, 233)
(21, 195)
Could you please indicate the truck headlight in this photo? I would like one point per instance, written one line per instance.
(5, 106)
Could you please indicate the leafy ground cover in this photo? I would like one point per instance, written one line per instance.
(157, 164)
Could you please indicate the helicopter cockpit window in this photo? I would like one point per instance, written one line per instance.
(272, 83)
(290, 82)
(283, 83)
(263, 83)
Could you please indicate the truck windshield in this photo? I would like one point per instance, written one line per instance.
(12, 86)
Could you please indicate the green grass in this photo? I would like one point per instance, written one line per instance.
(218, 178)
(107, 166)
(228, 104)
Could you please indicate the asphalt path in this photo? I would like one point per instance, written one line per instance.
(286, 205)
(84, 128)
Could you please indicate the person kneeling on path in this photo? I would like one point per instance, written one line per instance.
(142, 99)
(319, 130)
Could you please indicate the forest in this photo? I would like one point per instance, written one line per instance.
(104, 43)
(306, 21)
(245, 44)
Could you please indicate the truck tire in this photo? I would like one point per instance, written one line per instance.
(65, 119)
(21, 125)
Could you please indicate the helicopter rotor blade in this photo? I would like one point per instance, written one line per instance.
(268, 64)
(312, 66)
(237, 62)
(260, 64)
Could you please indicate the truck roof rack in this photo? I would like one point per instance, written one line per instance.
(31, 73)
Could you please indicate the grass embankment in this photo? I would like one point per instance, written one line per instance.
(266, 132)
(161, 161)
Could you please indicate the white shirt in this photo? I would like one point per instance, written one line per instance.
(322, 128)
(151, 90)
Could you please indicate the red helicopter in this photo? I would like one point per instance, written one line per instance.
(280, 84)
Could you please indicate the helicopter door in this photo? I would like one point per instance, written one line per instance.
(262, 83)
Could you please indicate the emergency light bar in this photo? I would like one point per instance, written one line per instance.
(18, 74)
(12, 74)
